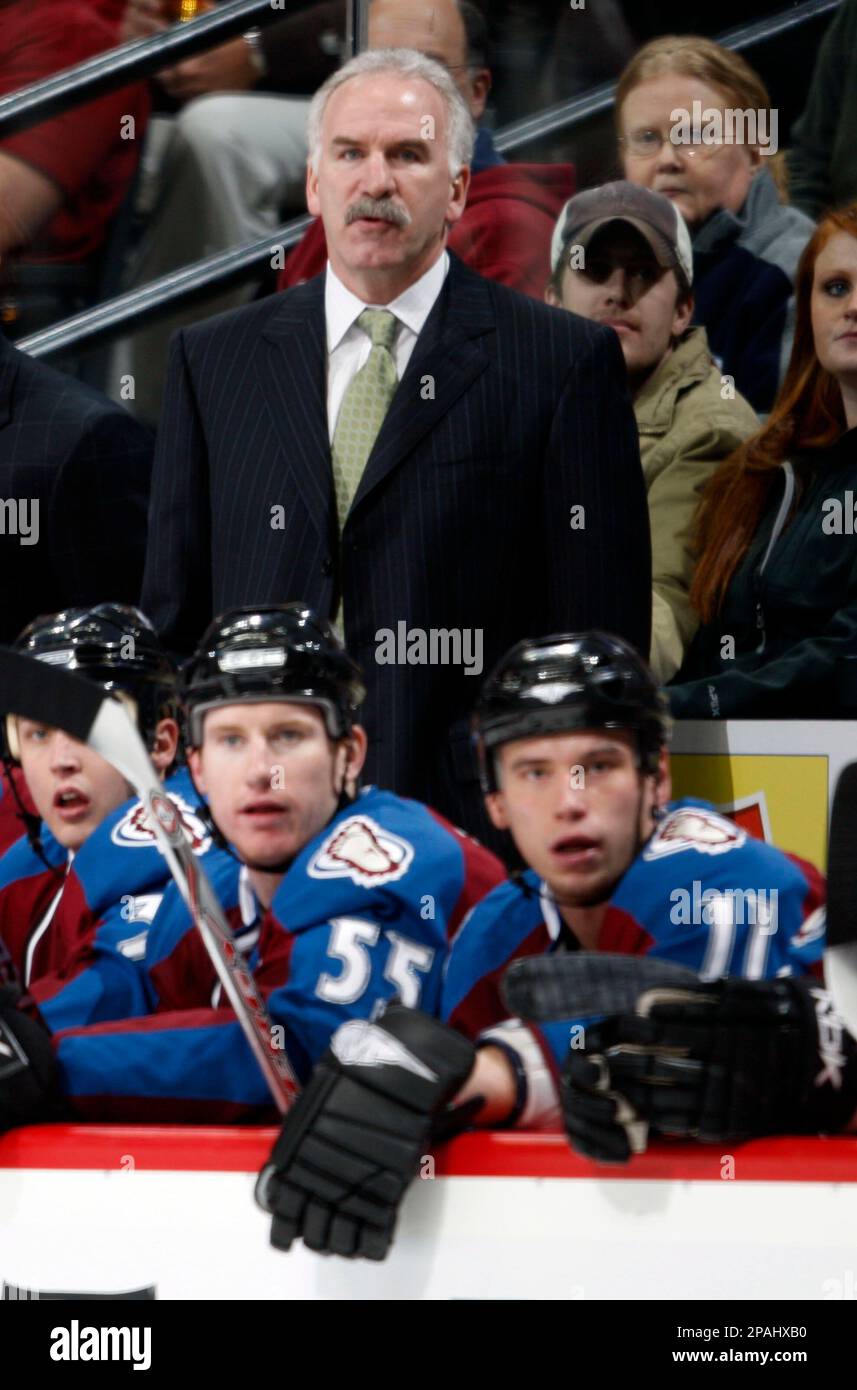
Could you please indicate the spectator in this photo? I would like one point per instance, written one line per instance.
(746, 243)
(74, 490)
(776, 582)
(235, 152)
(506, 227)
(823, 160)
(636, 277)
(61, 182)
(476, 474)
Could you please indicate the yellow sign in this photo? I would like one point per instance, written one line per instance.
(780, 797)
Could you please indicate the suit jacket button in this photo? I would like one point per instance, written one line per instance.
(327, 568)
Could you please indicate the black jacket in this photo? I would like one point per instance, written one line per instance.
(509, 415)
(744, 266)
(793, 617)
(87, 464)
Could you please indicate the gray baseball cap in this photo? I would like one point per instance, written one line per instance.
(651, 214)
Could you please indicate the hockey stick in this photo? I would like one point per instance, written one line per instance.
(551, 989)
(41, 692)
(840, 956)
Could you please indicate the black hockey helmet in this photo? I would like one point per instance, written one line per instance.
(571, 681)
(281, 651)
(114, 645)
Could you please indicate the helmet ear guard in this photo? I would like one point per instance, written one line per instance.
(11, 743)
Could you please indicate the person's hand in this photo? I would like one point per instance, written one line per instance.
(228, 68)
(493, 1083)
(141, 19)
(353, 1141)
(722, 1061)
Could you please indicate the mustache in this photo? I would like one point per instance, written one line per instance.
(383, 208)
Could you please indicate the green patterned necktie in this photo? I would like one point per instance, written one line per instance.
(364, 405)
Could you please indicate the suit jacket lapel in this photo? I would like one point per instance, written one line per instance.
(294, 372)
(293, 366)
(450, 352)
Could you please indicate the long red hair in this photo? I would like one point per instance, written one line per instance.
(807, 414)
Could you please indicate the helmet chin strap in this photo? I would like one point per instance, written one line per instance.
(32, 824)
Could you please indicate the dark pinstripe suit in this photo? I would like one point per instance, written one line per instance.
(89, 465)
(462, 518)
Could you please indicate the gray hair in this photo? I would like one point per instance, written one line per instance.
(405, 62)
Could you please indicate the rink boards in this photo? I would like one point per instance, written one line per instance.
(103, 1209)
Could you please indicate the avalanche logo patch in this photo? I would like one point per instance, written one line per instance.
(361, 850)
(134, 831)
(692, 827)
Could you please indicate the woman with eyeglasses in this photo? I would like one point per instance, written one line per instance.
(695, 123)
(775, 586)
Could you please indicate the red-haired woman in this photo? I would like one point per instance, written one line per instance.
(776, 534)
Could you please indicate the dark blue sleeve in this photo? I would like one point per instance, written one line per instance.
(345, 969)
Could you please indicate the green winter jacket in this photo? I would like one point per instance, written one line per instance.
(784, 645)
(686, 428)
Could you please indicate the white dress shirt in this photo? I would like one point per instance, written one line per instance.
(348, 346)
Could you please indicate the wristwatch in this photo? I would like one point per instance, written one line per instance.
(253, 39)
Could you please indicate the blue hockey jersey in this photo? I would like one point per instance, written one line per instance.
(364, 912)
(30, 889)
(112, 891)
(702, 893)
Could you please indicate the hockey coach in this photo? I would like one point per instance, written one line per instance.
(442, 464)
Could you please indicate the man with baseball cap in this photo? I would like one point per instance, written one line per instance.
(621, 255)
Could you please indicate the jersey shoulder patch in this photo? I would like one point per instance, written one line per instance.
(694, 827)
(813, 928)
(133, 830)
(364, 851)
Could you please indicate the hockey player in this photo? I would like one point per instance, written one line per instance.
(345, 897)
(571, 733)
(89, 865)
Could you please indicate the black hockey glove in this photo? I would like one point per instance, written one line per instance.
(724, 1061)
(29, 1089)
(353, 1141)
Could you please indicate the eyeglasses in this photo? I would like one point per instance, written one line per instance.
(647, 144)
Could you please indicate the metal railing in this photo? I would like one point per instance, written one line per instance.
(117, 67)
(226, 268)
(565, 114)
